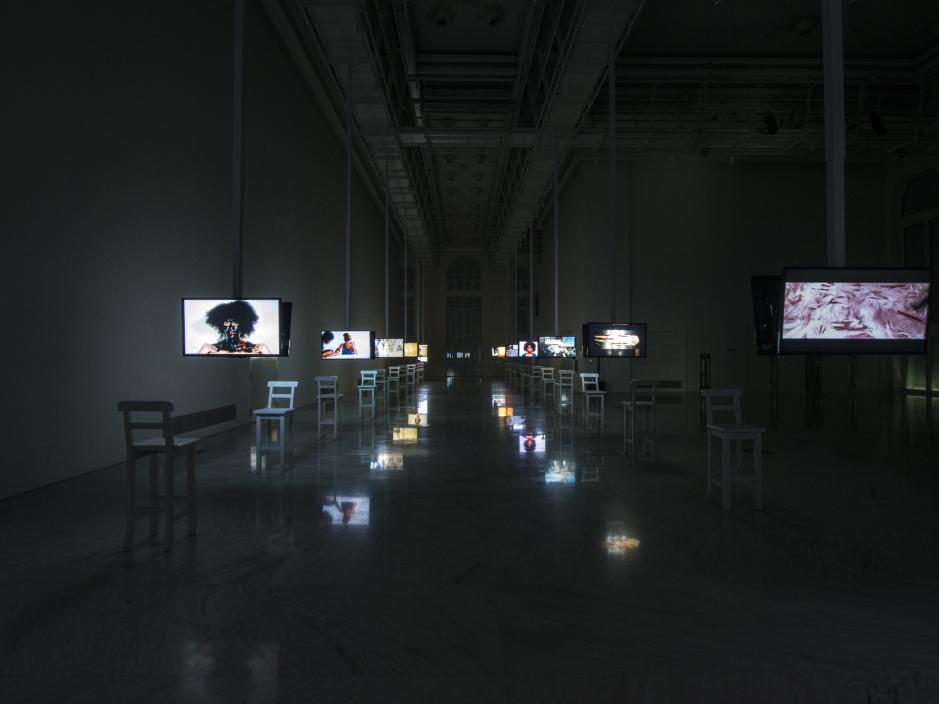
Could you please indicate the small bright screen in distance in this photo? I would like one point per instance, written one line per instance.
(346, 344)
(565, 347)
(389, 347)
(246, 327)
(855, 310)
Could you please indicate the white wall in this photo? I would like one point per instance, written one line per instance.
(116, 193)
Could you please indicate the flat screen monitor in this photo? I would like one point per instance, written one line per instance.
(389, 347)
(834, 310)
(410, 349)
(564, 347)
(511, 351)
(346, 344)
(615, 339)
(531, 443)
(498, 352)
(528, 349)
(346, 510)
(241, 327)
(766, 293)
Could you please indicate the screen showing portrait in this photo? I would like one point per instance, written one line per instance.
(346, 344)
(410, 349)
(855, 310)
(528, 348)
(346, 510)
(531, 443)
(244, 327)
(389, 347)
(563, 347)
(615, 339)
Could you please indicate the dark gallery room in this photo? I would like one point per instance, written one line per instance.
(625, 380)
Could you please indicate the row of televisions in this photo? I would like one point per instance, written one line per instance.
(808, 311)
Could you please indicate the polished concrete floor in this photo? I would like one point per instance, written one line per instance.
(494, 559)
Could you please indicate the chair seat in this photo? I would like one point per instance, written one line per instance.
(594, 393)
(734, 429)
(159, 443)
(273, 412)
(638, 404)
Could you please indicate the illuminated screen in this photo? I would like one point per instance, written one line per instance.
(410, 349)
(498, 352)
(511, 351)
(505, 411)
(347, 510)
(346, 344)
(528, 348)
(422, 351)
(248, 327)
(387, 461)
(615, 339)
(389, 347)
(565, 347)
(531, 443)
(855, 310)
(418, 419)
(404, 434)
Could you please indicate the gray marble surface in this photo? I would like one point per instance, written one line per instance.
(464, 567)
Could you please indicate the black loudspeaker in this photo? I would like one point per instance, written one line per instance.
(766, 292)
(286, 312)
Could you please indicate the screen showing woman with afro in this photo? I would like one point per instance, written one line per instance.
(234, 322)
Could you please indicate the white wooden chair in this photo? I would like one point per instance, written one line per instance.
(381, 381)
(327, 392)
(281, 415)
(367, 391)
(641, 406)
(536, 377)
(168, 445)
(524, 377)
(565, 390)
(410, 379)
(419, 372)
(593, 397)
(728, 402)
(548, 385)
(393, 384)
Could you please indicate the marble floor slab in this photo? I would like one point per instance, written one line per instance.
(474, 546)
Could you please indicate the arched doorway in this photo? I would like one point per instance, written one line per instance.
(920, 221)
(464, 281)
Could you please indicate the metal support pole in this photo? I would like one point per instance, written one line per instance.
(515, 297)
(531, 280)
(611, 157)
(417, 301)
(833, 49)
(557, 246)
(387, 248)
(237, 152)
(349, 196)
(405, 291)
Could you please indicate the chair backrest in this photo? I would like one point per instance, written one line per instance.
(536, 373)
(380, 375)
(589, 381)
(566, 377)
(547, 373)
(327, 385)
(367, 377)
(722, 401)
(275, 391)
(410, 369)
(642, 391)
(394, 372)
(130, 409)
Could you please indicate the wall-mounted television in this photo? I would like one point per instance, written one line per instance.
(346, 510)
(498, 352)
(346, 344)
(531, 443)
(564, 347)
(614, 339)
(766, 294)
(836, 310)
(410, 349)
(389, 347)
(511, 351)
(242, 327)
(528, 349)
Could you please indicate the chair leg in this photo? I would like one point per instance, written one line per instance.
(191, 488)
(257, 443)
(738, 471)
(282, 439)
(130, 507)
(154, 493)
(169, 504)
(725, 473)
(710, 486)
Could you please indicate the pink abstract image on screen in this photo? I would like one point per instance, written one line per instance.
(855, 311)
